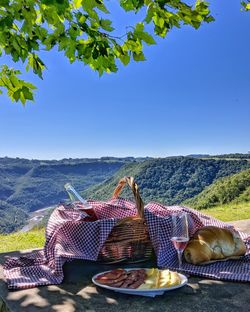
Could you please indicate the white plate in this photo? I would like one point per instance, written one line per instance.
(140, 292)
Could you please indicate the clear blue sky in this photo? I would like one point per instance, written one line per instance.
(190, 96)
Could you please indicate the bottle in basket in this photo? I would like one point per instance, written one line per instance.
(80, 203)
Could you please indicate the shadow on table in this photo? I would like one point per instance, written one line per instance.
(78, 293)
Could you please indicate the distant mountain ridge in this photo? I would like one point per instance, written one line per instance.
(28, 185)
(222, 156)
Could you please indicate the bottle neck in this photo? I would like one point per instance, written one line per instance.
(75, 196)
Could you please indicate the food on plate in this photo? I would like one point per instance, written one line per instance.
(151, 280)
(140, 279)
(160, 279)
(113, 278)
(134, 279)
(122, 278)
(168, 279)
(174, 279)
(211, 243)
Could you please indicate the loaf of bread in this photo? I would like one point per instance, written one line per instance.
(211, 243)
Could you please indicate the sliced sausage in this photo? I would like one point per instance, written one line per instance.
(111, 275)
(136, 284)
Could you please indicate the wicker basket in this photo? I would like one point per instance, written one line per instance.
(129, 239)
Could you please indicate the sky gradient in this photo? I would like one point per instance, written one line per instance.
(190, 96)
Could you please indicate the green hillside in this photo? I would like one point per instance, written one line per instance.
(27, 185)
(229, 212)
(232, 156)
(232, 189)
(22, 241)
(169, 180)
(222, 193)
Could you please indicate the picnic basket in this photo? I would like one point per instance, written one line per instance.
(129, 239)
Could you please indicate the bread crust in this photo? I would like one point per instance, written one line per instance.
(212, 243)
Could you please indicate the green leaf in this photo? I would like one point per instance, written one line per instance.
(139, 27)
(106, 24)
(159, 21)
(101, 6)
(133, 45)
(82, 19)
(22, 98)
(4, 3)
(209, 19)
(127, 5)
(125, 59)
(36, 64)
(27, 94)
(14, 80)
(88, 5)
(146, 37)
(138, 57)
(63, 43)
(119, 49)
(16, 95)
(6, 22)
(100, 71)
(17, 89)
(77, 3)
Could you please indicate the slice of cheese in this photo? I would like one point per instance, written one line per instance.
(151, 272)
(152, 278)
(144, 286)
(174, 279)
(164, 279)
(160, 279)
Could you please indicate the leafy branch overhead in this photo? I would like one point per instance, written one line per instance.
(246, 5)
(81, 30)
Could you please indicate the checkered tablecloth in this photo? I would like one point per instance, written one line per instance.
(159, 223)
(69, 237)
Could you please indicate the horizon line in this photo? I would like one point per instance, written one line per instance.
(124, 157)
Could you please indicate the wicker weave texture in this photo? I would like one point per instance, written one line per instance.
(129, 239)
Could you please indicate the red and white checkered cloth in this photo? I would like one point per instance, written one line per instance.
(159, 223)
(69, 237)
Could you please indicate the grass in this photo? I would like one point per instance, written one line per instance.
(229, 212)
(36, 238)
(21, 241)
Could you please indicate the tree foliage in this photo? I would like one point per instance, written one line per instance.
(246, 5)
(235, 188)
(81, 30)
(169, 180)
(229, 156)
(27, 185)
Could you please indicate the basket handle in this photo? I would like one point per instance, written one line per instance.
(134, 187)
